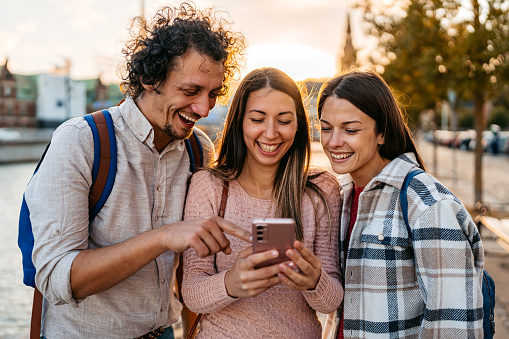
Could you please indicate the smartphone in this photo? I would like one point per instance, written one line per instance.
(273, 234)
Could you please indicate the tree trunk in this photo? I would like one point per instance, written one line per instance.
(479, 128)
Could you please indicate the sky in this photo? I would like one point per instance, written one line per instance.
(300, 37)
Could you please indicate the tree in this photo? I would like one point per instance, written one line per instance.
(437, 45)
(481, 65)
(413, 44)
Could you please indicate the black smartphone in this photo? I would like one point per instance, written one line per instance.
(273, 234)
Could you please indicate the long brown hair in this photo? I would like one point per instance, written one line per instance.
(368, 92)
(291, 177)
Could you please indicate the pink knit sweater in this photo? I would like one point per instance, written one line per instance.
(279, 312)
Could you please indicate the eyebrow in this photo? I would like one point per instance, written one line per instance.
(344, 123)
(262, 112)
(187, 86)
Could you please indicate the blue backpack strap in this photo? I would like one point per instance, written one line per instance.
(105, 160)
(488, 292)
(195, 152)
(97, 146)
(404, 199)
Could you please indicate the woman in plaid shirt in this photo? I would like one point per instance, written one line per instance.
(395, 286)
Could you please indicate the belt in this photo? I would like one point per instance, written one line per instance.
(152, 335)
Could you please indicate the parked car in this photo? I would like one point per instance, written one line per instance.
(463, 139)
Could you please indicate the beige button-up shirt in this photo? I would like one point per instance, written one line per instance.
(149, 192)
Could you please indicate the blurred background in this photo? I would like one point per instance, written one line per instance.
(446, 61)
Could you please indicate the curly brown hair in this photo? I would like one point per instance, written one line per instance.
(151, 51)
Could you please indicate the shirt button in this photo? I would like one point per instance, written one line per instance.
(157, 218)
(163, 280)
(380, 237)
(159, 188)
(163, 309)
(56, 232)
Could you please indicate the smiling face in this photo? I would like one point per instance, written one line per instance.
(269, 124)
(350, 140)
(188, 95)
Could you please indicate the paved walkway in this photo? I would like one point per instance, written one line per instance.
(455, 169)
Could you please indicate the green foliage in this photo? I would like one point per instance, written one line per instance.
(500, 113)
(465, 118)
(499, 116)
(413, 48)
(439, 45)
(425, 49)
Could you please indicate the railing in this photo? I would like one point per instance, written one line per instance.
(499, 227)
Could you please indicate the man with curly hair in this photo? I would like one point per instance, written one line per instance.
(113, 277)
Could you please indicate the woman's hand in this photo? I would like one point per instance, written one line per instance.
(243, 280)
(309, 265)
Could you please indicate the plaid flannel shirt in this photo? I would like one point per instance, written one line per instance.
(396, 288)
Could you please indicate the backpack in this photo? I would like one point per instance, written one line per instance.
(488, 285)
(103, 178)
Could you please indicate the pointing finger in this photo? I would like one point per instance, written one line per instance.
(232, 229)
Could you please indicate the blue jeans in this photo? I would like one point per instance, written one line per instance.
(167, 334)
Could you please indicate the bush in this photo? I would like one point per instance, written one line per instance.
(499, 116)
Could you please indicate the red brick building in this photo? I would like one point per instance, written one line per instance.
(16, 109)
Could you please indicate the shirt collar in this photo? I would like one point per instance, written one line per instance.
(393, 174)
(141, 127)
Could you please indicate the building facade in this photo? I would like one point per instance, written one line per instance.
(59, 98)
(16, 109)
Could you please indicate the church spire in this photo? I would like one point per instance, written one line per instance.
(349, 57)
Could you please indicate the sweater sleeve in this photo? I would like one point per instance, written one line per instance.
(328, 294)
(203, 288)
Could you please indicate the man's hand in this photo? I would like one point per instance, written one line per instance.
(206, 236)
(96, 270)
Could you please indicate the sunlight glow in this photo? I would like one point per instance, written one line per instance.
(298, 61)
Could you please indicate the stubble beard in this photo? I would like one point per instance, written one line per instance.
(172, 133)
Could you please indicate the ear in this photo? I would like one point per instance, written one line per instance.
(148, 88)
(381, 139)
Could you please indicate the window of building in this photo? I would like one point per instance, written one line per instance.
(10, 110)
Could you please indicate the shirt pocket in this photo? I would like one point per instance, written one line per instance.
(388, 258)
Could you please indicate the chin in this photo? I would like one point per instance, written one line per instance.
(339, 169)
(181, 134)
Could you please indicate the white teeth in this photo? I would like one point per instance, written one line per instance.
(187, 117)
(341, 156)
(268, 148)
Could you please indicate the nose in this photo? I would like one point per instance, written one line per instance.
(203, 105)
(336, 140)
(271, 130)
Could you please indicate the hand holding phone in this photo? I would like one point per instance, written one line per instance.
(273, 234)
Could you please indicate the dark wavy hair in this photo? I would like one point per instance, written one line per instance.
(291, 177)
(368, 92)
(152, 50)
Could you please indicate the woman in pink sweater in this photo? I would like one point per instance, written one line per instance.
(264, 155)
